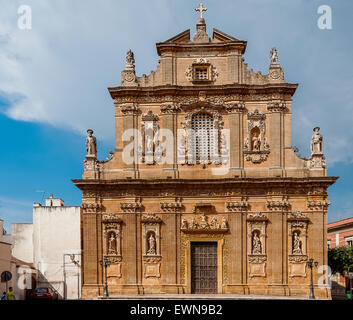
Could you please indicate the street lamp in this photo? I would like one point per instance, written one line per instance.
(106, 265)
(311, 263)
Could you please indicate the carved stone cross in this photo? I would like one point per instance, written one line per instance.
(201, 8)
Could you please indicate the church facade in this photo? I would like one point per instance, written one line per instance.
(204, 192)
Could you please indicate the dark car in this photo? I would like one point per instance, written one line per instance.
(45, 293)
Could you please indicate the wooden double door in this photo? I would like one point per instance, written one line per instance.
(204, 267)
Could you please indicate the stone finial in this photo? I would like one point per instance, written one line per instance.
(276, 73)
(128, 76)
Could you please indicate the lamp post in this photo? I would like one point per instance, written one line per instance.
(311, 263)
(106, 265)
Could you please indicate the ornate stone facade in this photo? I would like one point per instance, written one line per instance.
(209, 160)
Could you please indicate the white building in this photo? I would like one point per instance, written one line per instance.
(52, 244)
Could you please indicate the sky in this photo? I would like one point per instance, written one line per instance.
(54, 79)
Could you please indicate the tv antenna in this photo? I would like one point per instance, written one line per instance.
(43, 194)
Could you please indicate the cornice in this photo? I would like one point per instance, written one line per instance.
(184, 91)
(285, 182)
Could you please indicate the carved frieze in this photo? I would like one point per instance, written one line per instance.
(171, 206)
(235, 107)
(169, 108)
(151, 218)
(130, 206)
(129, 109)
(278, 205)
(256, 216)
(276, 106)
(237, 206)
(150, 116)
(91, 207)
(204, 223)
(318, 204)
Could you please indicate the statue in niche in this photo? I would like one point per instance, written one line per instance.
(149, 144)
(112, 244)
(158, 153)
(151, 245)
(297, 244)
(184, 224)
(316, 141)
(256, 142)
(91, 144)
(274, 55)
(256, 244)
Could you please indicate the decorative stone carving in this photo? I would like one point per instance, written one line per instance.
(237, 206)
(317, 159)
(235, 107)
(203, 225)
(112, 237)
(201, 35)
(151, 148)
(316, 141)
(211, 70)
(151, 225)
(169, 108)
(130, 206)
(128, 76)
(256, 148)
(318, 204)
(151, 218)
(129, 109)
(91, 144)
(151, 245)
(256, 230)
(297, 216)
(278, 205)
(91, 207)
(276, 73)
(276, 106)
(256, 216)
(150, 116)
(171, 206)
(274, 55)
(130, 61)
(297, 243)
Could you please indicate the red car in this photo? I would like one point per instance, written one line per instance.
(44, 293)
